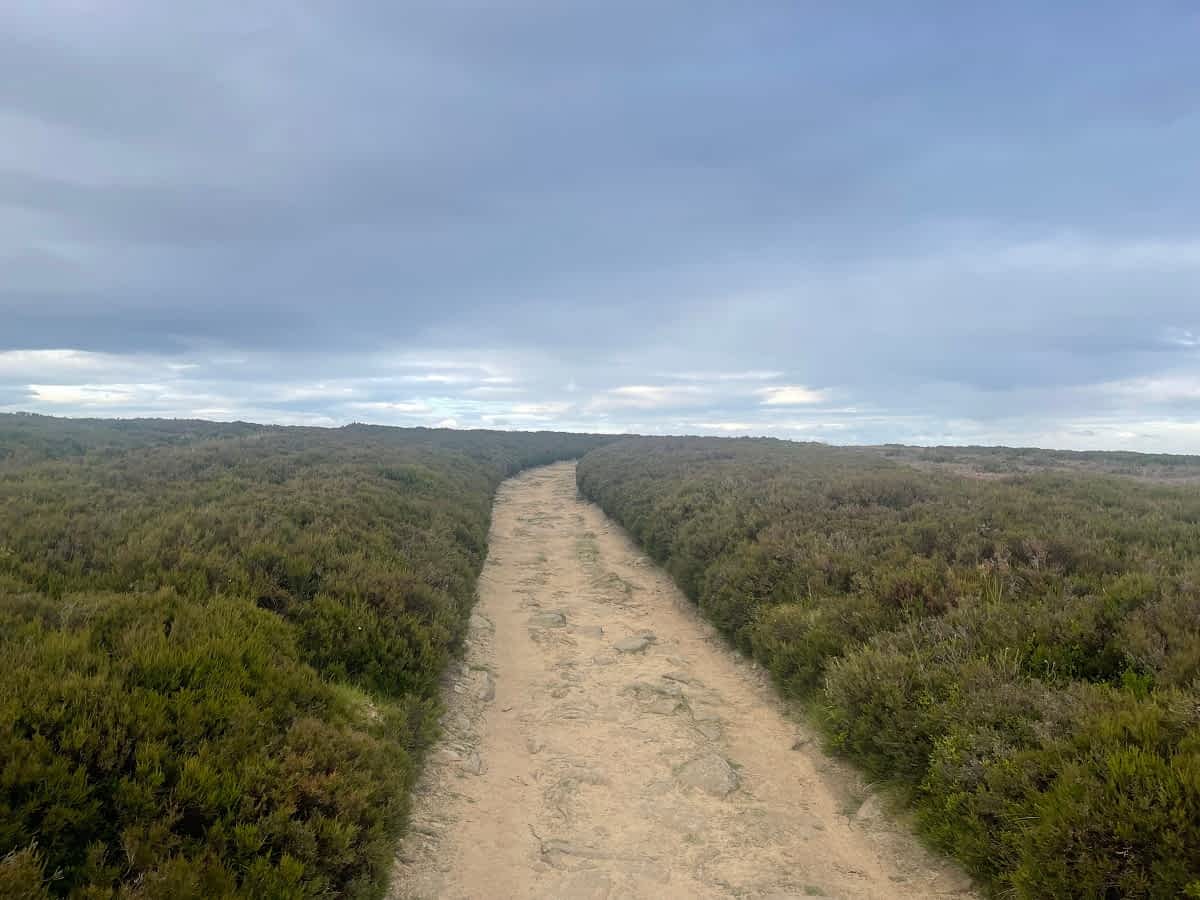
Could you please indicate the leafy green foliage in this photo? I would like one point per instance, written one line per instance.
(219, 647)
(1020, 652)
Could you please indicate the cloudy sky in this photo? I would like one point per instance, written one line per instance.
(854, 222)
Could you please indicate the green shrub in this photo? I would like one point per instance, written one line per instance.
(22, 875)
(796, 641)
(1020, 654)
(219, 647)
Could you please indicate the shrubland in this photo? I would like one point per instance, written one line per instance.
(219, 646)
(1019, 654)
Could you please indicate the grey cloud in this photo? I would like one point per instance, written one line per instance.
(937, 219)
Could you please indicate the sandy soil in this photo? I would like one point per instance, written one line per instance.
(602, 742)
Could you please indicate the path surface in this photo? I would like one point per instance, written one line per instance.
(601, 742)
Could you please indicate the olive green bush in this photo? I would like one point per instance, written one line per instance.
(1018, 653)
(219, 647)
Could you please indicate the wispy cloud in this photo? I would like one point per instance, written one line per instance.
(791, 395)
(410, 408)
(719, 377)
(648, 396)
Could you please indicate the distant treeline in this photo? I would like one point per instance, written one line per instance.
(219, 646)
(1015, 460)
(1020, 654)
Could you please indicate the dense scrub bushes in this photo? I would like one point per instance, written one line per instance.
(218, 649)
(1020, 654)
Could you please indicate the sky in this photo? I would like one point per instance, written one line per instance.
(926, 222)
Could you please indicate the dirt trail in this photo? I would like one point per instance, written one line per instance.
(601, 742)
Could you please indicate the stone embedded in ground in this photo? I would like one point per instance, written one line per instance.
(955, 881)
(661, 688)
(472, 765)
(554, 848)
(487, 690)
(871, 809)
(592, 631)
(711, 730)
(585, 775)
(548, 620)
(710, 773)
(681, 677)
(481, 622)
(664, 706)
(631, 645)
(429, 829)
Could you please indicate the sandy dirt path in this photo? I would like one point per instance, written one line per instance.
(602, 742)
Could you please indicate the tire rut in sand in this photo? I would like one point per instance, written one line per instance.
(600, 741)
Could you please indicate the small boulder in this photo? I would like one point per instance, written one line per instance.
(661, 688)
(472, 765)
(710, 773)
(487, 690)
(631, 644)
(664, 706)
(870, 811)
(548, 620)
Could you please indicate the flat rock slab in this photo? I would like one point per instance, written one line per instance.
(548, 620)
(662, 688)
(472, 765)
(710, 773)
(664, 706)
(631, 645)
(487, 690)
(871, 810)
